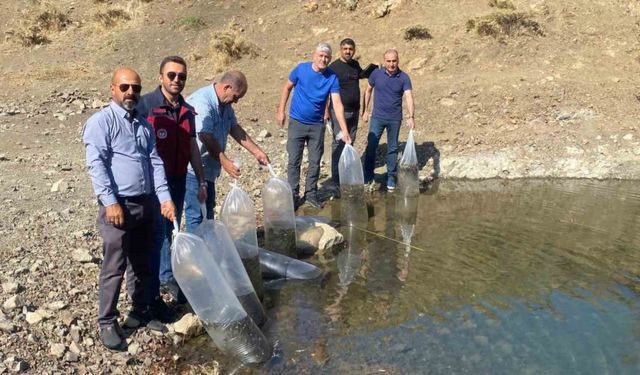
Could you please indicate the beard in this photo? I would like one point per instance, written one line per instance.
(129, 104)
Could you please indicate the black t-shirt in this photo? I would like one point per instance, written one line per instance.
(349, 78)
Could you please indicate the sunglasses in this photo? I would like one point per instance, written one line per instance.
(181, 76)
(124, 87)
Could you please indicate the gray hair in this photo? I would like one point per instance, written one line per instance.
(324, 47)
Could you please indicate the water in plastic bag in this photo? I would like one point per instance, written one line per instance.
(239, 216)
(215, 303)
(350, 172)
(279, 217)
(408, 183)
(221, 247)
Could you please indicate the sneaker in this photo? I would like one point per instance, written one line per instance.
(137, 319)
(112, 337)
(370, 186)
(391, 188)
(172, 289)
(314, 202)
(161, 311)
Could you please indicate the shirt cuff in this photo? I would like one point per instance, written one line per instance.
(164, 196)
(108, 200)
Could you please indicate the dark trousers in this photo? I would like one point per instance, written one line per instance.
(132, 244)
(298, 136)
(338, 146)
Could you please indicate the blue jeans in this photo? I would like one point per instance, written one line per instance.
(161, 256)
(192, 212)
(376, 127)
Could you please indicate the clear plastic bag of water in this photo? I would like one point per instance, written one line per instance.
(215, 303)
(408, 183)
(279, 217)
(239, 216)
(350, 172)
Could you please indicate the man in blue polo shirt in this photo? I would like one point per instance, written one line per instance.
(313, 82)
(390, 84)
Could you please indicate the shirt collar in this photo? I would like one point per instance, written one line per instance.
(157, 99)
(397, 73)
(123, 113)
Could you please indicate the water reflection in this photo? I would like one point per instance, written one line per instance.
(499, 277)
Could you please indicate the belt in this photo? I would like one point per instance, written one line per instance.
(138, 199)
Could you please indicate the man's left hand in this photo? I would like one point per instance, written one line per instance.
(202, 192)
(168, 210)
(263, 159)
(410, 123)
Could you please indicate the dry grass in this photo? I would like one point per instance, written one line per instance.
(191, 23)
(38, 24)
(502, 4)
(417, 32)
(505, 24)
(228, 46)
(111, 17)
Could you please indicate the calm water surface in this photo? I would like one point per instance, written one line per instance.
(500, 277)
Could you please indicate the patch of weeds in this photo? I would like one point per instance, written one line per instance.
(505, 24)
(502, 4)
(111, 17)
(229, 46)
(192, 23)
(37, 25)
(417, 32)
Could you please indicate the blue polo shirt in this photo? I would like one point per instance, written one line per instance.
(311, 92)
(389, 88)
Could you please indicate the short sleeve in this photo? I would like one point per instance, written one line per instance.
(294, 75)
(406, 83)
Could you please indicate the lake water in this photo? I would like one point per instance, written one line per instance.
(500, 277)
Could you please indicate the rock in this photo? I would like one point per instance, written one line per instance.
(21, 366)
(59, 185)
(264, 134)
(97, 103)
(74, 332)
(35, 317)
(447, 102)
(82, 256)
(330, 236)
(13, 303)
(75, 348)
(57, 350)
(10, 287)
(3, 157)
(7, 326)
(418, 63)
(134, 348)
(57, 305)
(67, 317)
(628, 137)
(71, 357)
(189, 325)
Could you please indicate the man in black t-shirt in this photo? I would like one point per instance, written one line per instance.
(349, 74)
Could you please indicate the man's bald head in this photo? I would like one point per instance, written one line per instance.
(232, 87)
(125, 88)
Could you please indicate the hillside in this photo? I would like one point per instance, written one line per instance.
(503, 88)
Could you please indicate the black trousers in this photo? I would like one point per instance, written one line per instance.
(132, 244)
(298, 136)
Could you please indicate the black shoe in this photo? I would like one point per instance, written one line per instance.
(297, 202)
(112, 337)
(314, 202)
(172, 288)
(161, 311)
(137, 319)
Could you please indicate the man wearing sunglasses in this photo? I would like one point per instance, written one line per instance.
(127, 174)
(215, 121)
(173, 121)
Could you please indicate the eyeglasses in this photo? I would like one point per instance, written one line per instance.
(181, 76)
(124, 87)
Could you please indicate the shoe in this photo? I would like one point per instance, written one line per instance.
(297, 202)
(172, 289)
(391, 185)
(161, 311)
(370, 186)
(391, 188)
(112, 337)
(137, 319)
(314, 202)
